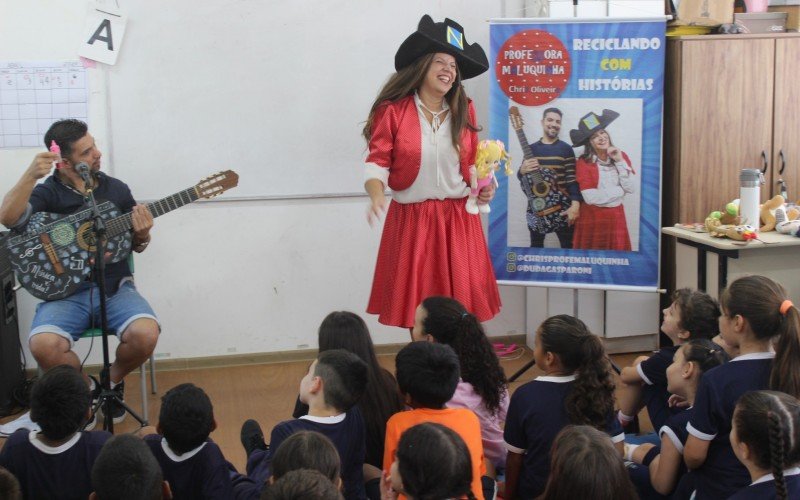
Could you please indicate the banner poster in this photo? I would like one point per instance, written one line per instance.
(578, 104)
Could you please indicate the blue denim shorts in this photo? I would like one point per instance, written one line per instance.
(71, 316)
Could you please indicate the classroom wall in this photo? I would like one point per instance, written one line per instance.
(258, 275)
(233, 277)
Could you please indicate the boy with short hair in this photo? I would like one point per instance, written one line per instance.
(333, 385)
(126, 470)
(191, 462)
(427, 374)
(56, 462)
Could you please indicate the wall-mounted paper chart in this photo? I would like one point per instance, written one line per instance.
(35, 94)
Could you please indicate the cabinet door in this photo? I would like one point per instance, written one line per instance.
(787, 117)
(726, 119)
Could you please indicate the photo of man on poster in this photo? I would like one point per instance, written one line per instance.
(551, 153)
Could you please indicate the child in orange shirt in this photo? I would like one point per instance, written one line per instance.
(427, 374)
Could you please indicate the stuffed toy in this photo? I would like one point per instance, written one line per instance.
(729, 215)
(768, 209)
(784, 225)
(487, 161)
(738, 233)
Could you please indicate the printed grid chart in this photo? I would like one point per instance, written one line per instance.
(35, 94)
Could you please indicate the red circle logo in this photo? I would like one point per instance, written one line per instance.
(532, 67)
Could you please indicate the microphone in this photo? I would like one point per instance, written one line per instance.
(83, 170)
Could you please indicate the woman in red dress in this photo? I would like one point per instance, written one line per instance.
(604, 173)
(422, 138)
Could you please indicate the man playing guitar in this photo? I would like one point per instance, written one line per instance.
(57, 324)
(555, 155)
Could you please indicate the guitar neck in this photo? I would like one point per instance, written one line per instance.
(523, 142)
(528, 154)
(158, 208)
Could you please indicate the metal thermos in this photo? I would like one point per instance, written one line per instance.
(750, 181)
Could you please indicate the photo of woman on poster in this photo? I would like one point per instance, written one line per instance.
(605, 176)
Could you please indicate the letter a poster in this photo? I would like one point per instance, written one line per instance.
(578, 105)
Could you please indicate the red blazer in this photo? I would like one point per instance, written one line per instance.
(396, 142)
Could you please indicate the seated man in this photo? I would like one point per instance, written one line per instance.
(59, 323)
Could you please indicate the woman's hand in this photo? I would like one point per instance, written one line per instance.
(615, 154)
(377, 208)
(486, 194)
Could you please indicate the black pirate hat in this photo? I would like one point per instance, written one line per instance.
(442, 37)
(589, 124)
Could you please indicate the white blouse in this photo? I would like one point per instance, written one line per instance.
(439, 172)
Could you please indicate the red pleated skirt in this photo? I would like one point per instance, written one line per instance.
(432, 248)
(601, 228)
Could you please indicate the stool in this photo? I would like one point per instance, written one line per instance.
(98, 332)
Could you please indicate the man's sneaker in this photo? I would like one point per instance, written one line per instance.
(117, 411)
(252, 437)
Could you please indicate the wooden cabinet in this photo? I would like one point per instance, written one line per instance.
(731, 102)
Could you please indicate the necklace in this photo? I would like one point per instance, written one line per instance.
(436, 120)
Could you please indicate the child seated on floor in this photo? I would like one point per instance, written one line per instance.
(692, 315)
(664, 465)
(577, 388)
(431, 461)
(585, 464)
(304, 450)
(191, 463)
(333, 385)
(302, 484)
(126, 470)
(766, 439)
(56, 462)
(428, 374)
(482, 387)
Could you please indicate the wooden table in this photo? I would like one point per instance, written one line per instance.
(774, 255)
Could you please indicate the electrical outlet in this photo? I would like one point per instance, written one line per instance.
(302, 346)
(161, 355)
(231, 349)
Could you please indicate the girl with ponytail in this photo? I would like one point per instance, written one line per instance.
(766, 439)
(483, 387)
(756, 315)
(577, 388)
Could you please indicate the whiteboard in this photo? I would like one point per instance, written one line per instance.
(276, 90)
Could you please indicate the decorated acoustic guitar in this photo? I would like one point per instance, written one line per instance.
(545, 200)
(52, 257)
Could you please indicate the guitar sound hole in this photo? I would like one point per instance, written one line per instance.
(541, 189)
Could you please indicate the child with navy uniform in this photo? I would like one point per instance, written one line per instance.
(577, 388)
(56, 462)
(665, 463)
(766, 438)
(692, 315)
(191, 462)
(755, 310)
(333, 385)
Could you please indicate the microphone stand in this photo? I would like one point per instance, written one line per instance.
(107, 397)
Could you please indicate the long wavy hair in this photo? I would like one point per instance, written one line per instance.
(758, 300)
(451, 324)
(381, 399)
(406, 81)
(768, 422)
(591, 399)
(588, 149)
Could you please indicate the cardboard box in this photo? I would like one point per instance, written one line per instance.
(761, 22)
(793, 15)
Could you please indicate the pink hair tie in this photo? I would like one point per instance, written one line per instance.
(785, 305)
